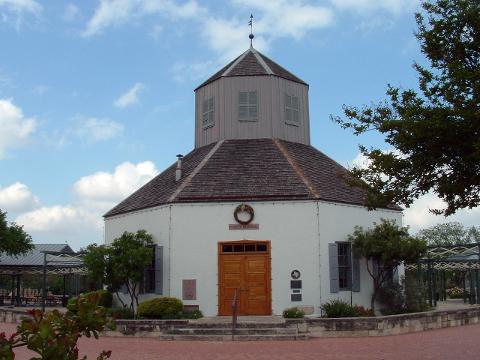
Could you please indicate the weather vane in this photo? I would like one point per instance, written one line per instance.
(251, 29)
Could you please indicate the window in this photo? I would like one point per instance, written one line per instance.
(344, 266)
(147, 284)
(292, 110)
(208, 113)
(248, 106)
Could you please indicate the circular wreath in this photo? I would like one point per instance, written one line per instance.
(243, 208)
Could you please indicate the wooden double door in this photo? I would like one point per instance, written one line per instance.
(244, 269)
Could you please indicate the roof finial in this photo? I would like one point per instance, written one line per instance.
(251, 36)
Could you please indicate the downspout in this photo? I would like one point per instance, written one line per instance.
(319, 256)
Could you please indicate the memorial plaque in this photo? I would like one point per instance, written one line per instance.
(296, 297)
(295, 284)
(189, 289)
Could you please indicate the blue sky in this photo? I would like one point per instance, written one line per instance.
(96, 97)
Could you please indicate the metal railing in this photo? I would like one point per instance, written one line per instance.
(234, 313)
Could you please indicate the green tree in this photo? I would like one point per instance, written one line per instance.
(122, 263)
(99, 265)
(129, 255)
(435, 131)
(451, 233)
(385, 247)
(14, 240)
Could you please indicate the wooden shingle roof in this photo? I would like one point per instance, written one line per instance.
(252, 63)
(247, 170)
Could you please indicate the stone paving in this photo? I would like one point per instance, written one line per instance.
(452, 343)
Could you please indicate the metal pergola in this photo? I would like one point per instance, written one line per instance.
(43, 260)
(462, 258)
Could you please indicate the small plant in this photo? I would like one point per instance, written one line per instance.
(457, 293)
(161, 308)
(293, 313)
(120, 313)
(54, 335)
(362, 311)
(337, 309)
(195, 314)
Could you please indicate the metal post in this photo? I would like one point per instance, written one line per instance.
(18, 299)
(477, 285)
(44, 283)
(444, 285)
(472, 288)
(429, 277)
(464, 286)
(434, 293)
(12, 298)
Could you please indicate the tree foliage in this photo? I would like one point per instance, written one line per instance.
(54, 335)
(122, 263)
(435, 131)
(451, 233)
(385, 246)
(13, 239)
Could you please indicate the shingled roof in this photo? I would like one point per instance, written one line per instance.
(247, 170)
(252, 63)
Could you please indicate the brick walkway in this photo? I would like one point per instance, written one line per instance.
(454, 343)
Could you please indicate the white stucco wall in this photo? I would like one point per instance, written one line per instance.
(299, 231)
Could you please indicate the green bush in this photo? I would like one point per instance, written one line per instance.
(392, 296)
(120, 313)
(456, 293)
(337, 309)
(195, 314)
(293, 313)
(161, 308)
(105, 298)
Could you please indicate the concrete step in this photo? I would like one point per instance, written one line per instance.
(236, 337)
(223, 325)
(228, 331)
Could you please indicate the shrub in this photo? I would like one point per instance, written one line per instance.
(293, 313)
(361, 311)
(195, 314)
(120, 313)
(415, 293)
(392, 297)
(161, 308)
(456, 293)
(105, 298)
(337, 309)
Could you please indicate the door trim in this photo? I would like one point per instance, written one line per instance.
(268, 253)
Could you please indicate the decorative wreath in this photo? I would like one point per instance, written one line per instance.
(243, 208)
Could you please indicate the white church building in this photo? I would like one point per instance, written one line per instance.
(253, 209)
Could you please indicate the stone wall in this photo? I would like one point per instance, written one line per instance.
(386, 325)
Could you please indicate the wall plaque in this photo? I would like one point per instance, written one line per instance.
(189, 289)
(296, 297)
(295, 284)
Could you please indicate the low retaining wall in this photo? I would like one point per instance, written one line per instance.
(386, 325)
(314, 327)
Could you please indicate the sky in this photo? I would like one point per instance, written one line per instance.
(96, 97)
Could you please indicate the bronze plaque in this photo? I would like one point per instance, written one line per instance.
(189, 289)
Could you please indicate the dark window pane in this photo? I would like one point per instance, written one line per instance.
(227, 248)
(261, 247)
(238, 248)
(249, 247)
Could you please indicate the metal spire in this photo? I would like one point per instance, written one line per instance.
(251, 36)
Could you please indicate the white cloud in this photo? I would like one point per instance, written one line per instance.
(58, 219)
(17, 197)
(40, 90)
(80, 223)
(418, 216)
(15, 128)
(116, 12)
(71, 13)
(103, 190)
(130, 97)
(13, 11)
(94, 129)
(367, 6)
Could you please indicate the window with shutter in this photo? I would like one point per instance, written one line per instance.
(208, 112)
(248, 106)
(292, 110)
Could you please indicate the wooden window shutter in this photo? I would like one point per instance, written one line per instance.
(159, 270)
(355, 272)
(333, 262)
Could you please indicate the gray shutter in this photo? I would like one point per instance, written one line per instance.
(333, 258)
(159, 270)
(355, 273)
